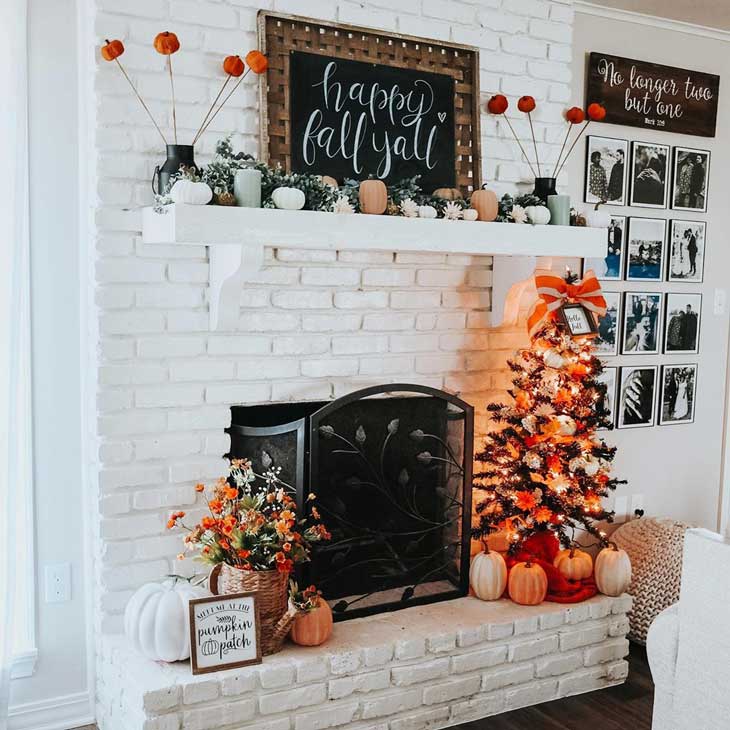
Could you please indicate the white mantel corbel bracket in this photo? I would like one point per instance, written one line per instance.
(236, 239)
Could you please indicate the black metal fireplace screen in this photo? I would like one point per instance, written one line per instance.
(391, 467)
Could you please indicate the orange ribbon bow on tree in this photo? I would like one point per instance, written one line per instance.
(554, 291)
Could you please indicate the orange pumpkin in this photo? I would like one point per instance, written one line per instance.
(448, 193)
(166, 43)
(329, 180)
(257, 62)
(485, 203)
(112, 49)
(574, 564)
(527, 584)
(233, 65)
(373, 197)
(313, 628)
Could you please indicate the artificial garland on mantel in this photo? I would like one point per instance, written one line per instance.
(405, 196)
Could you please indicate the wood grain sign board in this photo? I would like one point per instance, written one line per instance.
(652, 96)
(283, 37)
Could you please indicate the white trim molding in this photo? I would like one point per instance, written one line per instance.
(24, 664)
(655, 21)
(55, 713)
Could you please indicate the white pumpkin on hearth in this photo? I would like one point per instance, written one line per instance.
(156, 620)
(288, 198)
(488, 575)
(191, 192)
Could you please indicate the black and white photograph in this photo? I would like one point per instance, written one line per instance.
(645, 251)
(642, 323)
(606, 170)
(606, 342)
(679, 386)
(691, 176)
(610, 268)
(609, 377)
(637, 397)
(649, 175)
(682, 334)
(686, 250)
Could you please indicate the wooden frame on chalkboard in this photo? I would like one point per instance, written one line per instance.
(279, 34)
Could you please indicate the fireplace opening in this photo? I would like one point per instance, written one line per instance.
(391, 467)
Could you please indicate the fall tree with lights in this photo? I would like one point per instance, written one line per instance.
(545, 469)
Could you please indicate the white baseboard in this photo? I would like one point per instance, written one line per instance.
(57, 713)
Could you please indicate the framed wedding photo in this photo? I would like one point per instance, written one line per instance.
(642, 323)
(606, 170)
(679, 387)
(637, 397)
(606, 343)
(609, 377)
(649, 175)
(610, 267)
(645, 250)
(682, 323)
(691, 179)
(686, 251)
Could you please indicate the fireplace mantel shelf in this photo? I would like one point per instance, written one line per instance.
(237, 237)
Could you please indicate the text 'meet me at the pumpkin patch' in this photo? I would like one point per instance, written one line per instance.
(351, 119)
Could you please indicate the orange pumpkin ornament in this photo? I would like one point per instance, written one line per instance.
(257, 62)
(448, 193)
(233, 65)
(485, 203)
(574, 564)
(166, 43)
(527, 584)
(314, 627)
(112, 49)
(373, 197)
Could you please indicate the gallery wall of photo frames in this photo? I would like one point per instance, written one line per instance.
(646, 249)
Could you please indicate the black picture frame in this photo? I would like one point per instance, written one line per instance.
(610, 377)
(611, 266)
(610, 324)
(638, 336)
(678, 180)
(683, 256)
(577, 320)
(667, 407)
(682, 333)
(646, 191)
(594, 144)
(640, 238)
(637, 400)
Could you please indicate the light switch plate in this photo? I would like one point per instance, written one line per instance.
(58, 583)
(720, 302)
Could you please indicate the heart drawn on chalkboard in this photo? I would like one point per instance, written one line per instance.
(441, 116)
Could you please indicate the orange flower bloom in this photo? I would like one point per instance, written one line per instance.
(231, 493)
(243, 554)
(216, 506)
(170, 524)
(208, 523)
(200, 487)
(224, 544)
(525, 500)
(280, 557)
(286, 547)
(205, 550)
(543, 514)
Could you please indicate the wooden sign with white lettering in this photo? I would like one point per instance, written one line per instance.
(652, 96)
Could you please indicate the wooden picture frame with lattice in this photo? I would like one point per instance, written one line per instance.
(279, 34)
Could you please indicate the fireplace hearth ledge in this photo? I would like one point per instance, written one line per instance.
(428, 666)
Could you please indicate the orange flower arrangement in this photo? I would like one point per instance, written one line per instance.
(252, 524)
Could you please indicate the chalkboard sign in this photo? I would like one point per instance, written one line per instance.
(224, 632)
(352, 119)
(648, 95)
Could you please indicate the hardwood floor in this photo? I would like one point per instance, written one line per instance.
(617, 708)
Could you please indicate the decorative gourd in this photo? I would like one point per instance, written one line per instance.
(373, 197)
(574, 564)
(191, 193)
(427, 211)
(488, 575)
(596, 218)
(470, 214)
(157, 619)
(612, 571)
(329, 180)
(112, 49)
(538, 215)
(233, 66)
(166, 43)
(527, 584)
(257, 62)
(485, 203)
(312, 628)
(448, 193)
(288, 198)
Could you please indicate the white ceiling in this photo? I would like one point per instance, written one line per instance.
(709, 13)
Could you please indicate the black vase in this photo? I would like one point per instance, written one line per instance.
(544, 186)
(177, 155)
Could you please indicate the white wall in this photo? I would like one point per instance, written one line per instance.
(676, 468)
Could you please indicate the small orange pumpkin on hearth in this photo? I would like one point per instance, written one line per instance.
(485, 203)
(312, 628)
(166, 43)
(373, 197)
(574, 564)
(527, 584)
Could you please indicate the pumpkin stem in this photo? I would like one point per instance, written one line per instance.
(613, 545)
(485, 545)
(571, 554)
(176, 577)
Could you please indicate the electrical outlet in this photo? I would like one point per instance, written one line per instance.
(620, 507)
(720, 302)
(637, 502)
(58, 583)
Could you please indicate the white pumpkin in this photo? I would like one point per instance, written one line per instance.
(538, 215)
(427, 211)
(470, 214)
(288, 198)
(191, 193)
(488, 575)
(612, 571)
(553, 359)
(597, 218)
(157, 622)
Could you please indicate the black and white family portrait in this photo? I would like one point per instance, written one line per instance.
(642, 318)
(686, 250)
(691, 175)
(679, 383)
(606, 342)
(606, 170)
(611, 266)
(646, 238)
(649, 175)
(637, 406)
(682, 323)
(609, 378)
